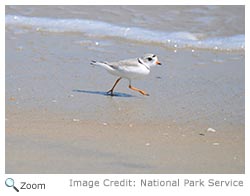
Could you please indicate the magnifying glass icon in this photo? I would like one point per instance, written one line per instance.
(9, 182)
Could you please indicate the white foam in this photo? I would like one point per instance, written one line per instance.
(104, 29)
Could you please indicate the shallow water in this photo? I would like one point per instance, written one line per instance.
(207, 27)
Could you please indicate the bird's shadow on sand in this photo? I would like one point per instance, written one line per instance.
(116, 94)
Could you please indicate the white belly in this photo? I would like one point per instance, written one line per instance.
(132, 72)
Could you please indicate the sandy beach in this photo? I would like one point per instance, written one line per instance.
(59, 118)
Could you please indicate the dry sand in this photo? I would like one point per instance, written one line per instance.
(44, 142)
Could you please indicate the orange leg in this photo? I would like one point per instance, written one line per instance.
(112, 89)
(138, 90)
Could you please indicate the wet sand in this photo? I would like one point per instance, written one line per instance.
(60, 120)
(67, 124)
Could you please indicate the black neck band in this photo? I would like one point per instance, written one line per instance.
(139, 61)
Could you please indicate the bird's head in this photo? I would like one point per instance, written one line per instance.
(150, 60)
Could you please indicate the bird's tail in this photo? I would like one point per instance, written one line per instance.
(103, 64)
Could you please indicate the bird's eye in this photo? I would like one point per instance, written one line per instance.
(150, 59)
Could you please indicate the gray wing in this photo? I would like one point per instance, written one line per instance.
(124, 63)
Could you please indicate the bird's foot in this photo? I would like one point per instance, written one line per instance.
(110, 92)
(138, 90)
(144, 93)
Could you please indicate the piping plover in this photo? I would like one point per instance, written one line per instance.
(129, 69)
